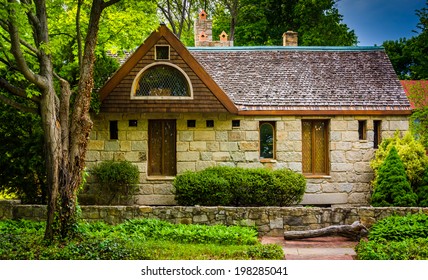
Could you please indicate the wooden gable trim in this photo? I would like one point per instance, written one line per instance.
(164, 32)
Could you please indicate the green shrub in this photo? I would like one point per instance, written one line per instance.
(391, 187)
(411, 152)
(396, 238)
(232, 186)
(116, 178)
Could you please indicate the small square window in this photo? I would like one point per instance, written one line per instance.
(191, 123)
(210, 123)
(236, 123)
(133, 123)
(162, 52)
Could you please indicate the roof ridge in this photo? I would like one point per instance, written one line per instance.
(282, 48)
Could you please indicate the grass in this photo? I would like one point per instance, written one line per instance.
(135, 240)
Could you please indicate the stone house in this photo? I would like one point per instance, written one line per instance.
(320, 111)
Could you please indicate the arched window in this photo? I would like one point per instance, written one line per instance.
(267, 139)
(161, 81)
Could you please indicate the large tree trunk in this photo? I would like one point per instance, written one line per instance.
(66, 131)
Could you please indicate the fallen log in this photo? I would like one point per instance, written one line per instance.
(355, 231)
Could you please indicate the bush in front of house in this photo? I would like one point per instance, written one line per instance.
(411, 152)
(396, 238)
(116, 179)
(392, 187)
(234, 186)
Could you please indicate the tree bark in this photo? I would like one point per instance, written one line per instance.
(355, 231)
(66, 130)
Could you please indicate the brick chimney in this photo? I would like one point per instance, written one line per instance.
(289, 39)
(204, 35)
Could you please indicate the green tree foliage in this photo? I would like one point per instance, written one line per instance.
(411, 152)
(409, 56)
(22, 171)
(418, 96)
(392, 187)
(263, 22)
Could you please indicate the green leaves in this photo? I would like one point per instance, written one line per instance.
(396, 238)
(239, 187)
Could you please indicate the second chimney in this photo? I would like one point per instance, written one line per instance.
(289, 39)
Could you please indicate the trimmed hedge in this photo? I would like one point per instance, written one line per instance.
(234, 186)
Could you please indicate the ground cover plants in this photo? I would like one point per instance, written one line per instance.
(396, 238)
(134, 240)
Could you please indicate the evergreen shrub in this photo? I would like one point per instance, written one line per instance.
(116, 178)
(411, 152)
(392, 187)
(233, 186)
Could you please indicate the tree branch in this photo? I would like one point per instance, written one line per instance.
(18, 106)
(109, 3)
(17, 91)
(16, 50)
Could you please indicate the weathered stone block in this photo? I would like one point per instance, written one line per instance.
(188, 156)
(112, 145)
(185, 136)
(229, 146)
(96, 145)
(204, 135)
(198, 146)
(136, 135)
(221, 156)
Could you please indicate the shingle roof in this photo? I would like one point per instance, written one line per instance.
(305, 78)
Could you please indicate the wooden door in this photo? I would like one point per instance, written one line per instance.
(162, 148)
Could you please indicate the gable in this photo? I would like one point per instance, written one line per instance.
(116, 95)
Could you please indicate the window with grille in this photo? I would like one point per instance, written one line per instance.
(162, 81)
(315, 147)
(267, 139)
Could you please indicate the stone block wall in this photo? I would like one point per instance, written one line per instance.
(199, 147)
(271, 221)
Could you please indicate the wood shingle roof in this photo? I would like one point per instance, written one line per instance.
(284, 79)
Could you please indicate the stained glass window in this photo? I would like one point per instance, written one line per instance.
(315, 146)
(267, 139)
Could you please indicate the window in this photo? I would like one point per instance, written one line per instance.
(132, 123)
(267, 139)
(236, 123)
(362, 130)
(191, 123)
(114, 132)
(210, 123)
(377, 135)
(161, 80)
(162, 148)
(162, 52)
(315, 147)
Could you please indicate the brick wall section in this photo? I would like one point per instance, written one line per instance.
(271, 221)
(198, 148)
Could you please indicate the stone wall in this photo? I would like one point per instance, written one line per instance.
(268, 220)
(348, 182)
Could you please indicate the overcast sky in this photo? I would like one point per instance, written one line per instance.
(375, 21)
